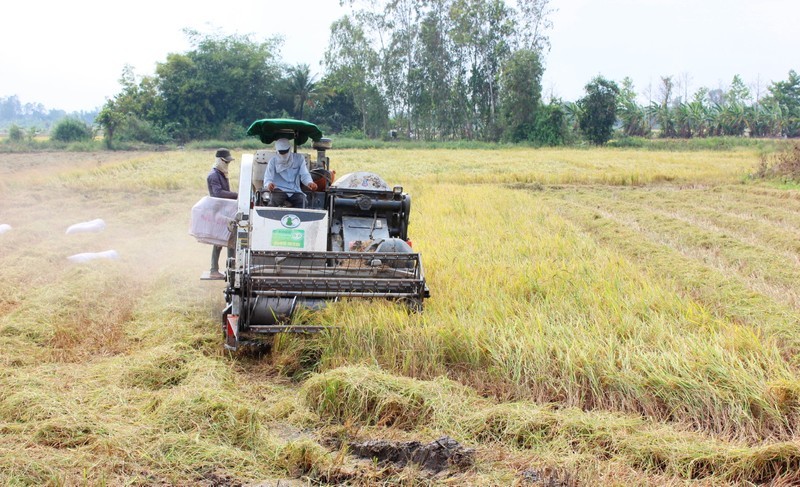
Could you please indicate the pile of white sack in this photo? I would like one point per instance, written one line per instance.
(87, 256)
(93, 226)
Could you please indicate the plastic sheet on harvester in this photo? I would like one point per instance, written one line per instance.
(211, 218)
(362, 180)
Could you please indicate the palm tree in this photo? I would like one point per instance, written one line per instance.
(302, 87)
(574, 112)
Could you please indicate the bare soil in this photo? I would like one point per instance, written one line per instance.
(435, 456)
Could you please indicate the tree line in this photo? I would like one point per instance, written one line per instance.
(734, 111)
(35, 117)
(425, 70)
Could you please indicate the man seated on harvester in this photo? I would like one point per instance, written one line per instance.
(285, 171)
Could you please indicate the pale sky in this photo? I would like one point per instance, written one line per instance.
(706, 42)
(70, 55)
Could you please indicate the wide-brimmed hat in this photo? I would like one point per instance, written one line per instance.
(224, 154)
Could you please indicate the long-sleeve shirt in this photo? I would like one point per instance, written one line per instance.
(218, 185)
(288, 180)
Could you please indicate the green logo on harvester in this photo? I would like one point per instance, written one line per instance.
(290, 221)
(294, 239)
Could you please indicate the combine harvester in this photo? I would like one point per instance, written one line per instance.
(351, 240)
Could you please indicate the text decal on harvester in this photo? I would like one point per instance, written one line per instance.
(288, 238)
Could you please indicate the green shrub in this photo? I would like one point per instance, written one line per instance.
(626, 141)
(71, 130)
(15, 133)
(138, 130)
(82, 146)
(352, 134)
(551, 127)
(232, 131)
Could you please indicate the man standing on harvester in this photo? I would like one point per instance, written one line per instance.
(285, 171)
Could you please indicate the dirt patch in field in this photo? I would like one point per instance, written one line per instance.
(435, 456)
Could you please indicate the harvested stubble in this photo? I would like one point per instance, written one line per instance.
(350, 394)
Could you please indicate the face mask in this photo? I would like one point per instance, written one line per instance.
(222, 166)
(284, 161)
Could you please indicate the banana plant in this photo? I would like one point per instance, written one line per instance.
(634, 118)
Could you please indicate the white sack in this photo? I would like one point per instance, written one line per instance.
(210, 219)
(5, 227)
(87, 256)
(93, 226)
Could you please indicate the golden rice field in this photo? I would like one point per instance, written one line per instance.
(598, 317)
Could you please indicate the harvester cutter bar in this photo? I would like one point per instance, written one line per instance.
(336, 274)
(286, 328)
(333, 294)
